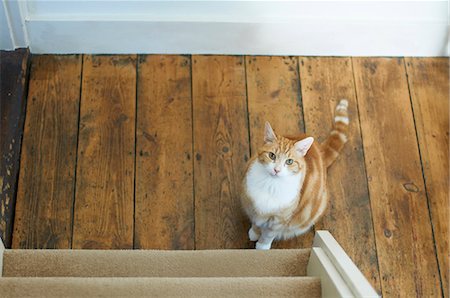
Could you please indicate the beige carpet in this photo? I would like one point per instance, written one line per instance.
(151, 273)
(307, 287)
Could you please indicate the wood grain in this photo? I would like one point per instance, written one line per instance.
(47, 170)
(216, 118)
(221, 150)
(324, 82)
(164, 181)
(429, 87)
(274, 95)
(103, 213)
(13, 99)
(403, 233)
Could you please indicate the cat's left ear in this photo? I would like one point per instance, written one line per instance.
(269, 134)
(303, 146)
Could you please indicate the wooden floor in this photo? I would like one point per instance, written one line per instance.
(149, 151)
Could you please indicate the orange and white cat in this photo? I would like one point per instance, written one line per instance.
(284, 189)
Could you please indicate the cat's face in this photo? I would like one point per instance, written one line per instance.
(282, 157)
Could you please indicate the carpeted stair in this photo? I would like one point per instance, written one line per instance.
(152, 273)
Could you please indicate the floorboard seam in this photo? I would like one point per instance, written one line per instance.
(423, 176)
(302, 110)
(25, 98)
(138, 57)
(76, 153)
(248, 111)
(299, 84)
(365, 174)
(192, 155)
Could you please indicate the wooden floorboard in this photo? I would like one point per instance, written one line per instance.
(157, 156)
(274, 95)
(104, 202)
(164, 167)
(221, 150)
(402, 225)
(47, 169)
(324, 82)
(429, 87)
(13, 98)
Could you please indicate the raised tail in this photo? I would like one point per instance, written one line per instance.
(338, 136)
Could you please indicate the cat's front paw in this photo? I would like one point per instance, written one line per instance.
(262, 246)
(252, 235)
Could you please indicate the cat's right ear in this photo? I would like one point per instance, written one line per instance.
(269, 134)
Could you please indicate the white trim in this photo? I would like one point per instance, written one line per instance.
(6, 42)
(354, 279)
(15, 18)
(332, 284)
(23, 10)
(2, 249)
(340, 28)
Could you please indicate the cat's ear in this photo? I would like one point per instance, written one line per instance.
(303, 146)
(269, 135)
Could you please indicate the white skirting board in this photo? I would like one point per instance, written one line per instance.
(316, 28)
(233, 38)
(339, 275)
(2, 249)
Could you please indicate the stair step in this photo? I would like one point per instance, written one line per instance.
(160, 287)
(154, 263)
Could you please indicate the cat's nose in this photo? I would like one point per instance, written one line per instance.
(276, 170)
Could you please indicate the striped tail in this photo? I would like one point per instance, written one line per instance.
(338, 136)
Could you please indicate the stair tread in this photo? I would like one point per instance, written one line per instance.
(155, 263)
(161, 287)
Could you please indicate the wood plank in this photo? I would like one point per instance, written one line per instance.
(164, 182)
(403, 232)
(47, 169)
(274, 95)
(324, 82)
(429, 87)
(103, 214)
(221, 150)
(13, 99)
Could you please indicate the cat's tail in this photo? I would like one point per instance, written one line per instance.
(338, 136)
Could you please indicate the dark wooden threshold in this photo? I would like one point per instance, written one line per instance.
(14, 66)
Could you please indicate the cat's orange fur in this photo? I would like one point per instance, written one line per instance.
(284, 189)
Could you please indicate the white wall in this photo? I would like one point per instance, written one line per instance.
(359, 28)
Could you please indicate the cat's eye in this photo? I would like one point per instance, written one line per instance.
(272, 155)
(289, 161)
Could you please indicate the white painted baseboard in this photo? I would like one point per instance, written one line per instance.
(12, 25)
(336, 28)
(2, 250)
(6, 42)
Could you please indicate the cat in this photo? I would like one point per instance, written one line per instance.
(284, 189)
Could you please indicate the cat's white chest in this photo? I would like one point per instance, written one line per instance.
(271, 194)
